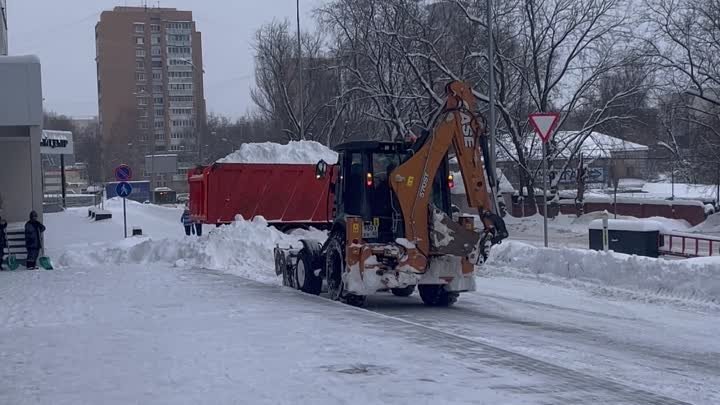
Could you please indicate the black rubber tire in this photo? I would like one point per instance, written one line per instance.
(403, 292)
(334, 268)
(437, 296)
(305, 278)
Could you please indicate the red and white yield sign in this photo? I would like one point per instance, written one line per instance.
(544, 124)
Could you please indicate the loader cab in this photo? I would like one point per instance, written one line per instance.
(363, 187)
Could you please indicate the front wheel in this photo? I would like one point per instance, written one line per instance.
(334, 269)
(437, 296)
(403, 292)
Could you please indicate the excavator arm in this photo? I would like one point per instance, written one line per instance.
(459, 127)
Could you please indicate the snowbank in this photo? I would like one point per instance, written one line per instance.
(244, 248)
(711, 225)
(697, 279)
(303, 152)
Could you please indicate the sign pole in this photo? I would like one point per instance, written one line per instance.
(62, 180)
(545, 176)
(124, 217)
(544, 124)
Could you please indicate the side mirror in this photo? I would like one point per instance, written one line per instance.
(321, 169)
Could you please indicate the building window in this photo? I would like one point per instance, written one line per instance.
(156, 51)
(139, 28)
(142, 113)
(142, 101)
(140, 76)
(181, 99)
(140, 64)
(178, 50)
(140, 89)
(157, 88)
(154, 28)
(139, 41)
(157, 64)
(158, 100)
(159, 137)
(159, 112)
(157, 75)
(142, 125)
(159, 124)
(181, 86)
(140, 53)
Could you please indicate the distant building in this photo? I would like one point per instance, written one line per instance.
(150, 87)
(605, 156)
(83, 123)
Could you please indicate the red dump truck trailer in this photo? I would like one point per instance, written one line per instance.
(286, 195)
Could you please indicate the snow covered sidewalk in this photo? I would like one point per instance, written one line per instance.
(683, 281)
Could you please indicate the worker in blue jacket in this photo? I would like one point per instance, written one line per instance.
(187, 222)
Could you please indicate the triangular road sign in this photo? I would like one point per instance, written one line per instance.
(544, 124)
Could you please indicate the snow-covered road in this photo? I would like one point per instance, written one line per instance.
(144, 320)
(646, 346)
(154, 334)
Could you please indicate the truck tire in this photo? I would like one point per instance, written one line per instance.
(334, 268)
(435, 295)
(403, 292)
(305, 277)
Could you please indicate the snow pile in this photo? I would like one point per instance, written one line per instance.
(244, 248)
(697, 279)
(298, 152)
(640, 225)
(711, 225)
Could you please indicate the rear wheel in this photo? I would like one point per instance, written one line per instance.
(305, 277)
(403, 292)
(334, 269)
(437, 296)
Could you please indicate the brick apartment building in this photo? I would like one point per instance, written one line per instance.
(150, 90)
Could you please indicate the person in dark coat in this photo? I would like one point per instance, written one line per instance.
(187, 222)
(3, 240)
(198, 228)
(33, 240)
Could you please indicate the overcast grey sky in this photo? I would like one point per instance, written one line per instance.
(62, 34)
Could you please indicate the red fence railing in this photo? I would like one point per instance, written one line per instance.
(689, 245)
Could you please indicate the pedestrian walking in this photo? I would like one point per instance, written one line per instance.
(33, 240)
(187, 222)
(198, 228)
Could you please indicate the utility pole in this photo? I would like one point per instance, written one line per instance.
(3, 29)
(491, 101)
(300, 73)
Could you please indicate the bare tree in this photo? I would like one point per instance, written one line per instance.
(684, 36)
(277, 83)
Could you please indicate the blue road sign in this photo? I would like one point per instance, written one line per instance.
(123, 189)
(123, 173)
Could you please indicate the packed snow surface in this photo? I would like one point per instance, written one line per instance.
(298, 152)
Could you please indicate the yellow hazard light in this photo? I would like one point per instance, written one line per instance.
(451, 181)
(369, 181)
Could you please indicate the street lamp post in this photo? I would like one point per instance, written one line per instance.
(300, 73)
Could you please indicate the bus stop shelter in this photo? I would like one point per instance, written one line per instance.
(21, 119)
